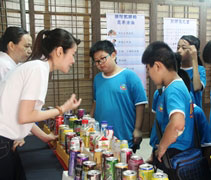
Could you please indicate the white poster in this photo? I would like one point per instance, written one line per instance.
(175, 28)
(127, 33)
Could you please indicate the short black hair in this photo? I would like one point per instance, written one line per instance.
(160, 51)
(104, 45)
(207, 53)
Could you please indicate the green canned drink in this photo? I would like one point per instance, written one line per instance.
(110, 168)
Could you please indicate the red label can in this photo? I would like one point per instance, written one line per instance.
(59, 121)
(125, 155)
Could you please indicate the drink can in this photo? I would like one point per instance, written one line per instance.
(60, 132)
(68, 137)
(72, 161)
(129, 175)
(59, 120)
(67, 116)
(71, 121)
(160, 176)
(145, 171)
(87, 166)
(134, 162)
(125, 155)
(86, 139)
(119, 168)
(94, 175)
(110, 168)
(77, 126)
(98, 156)
(79, 164)
(75, 142)
(81, 113)
(64, 131)
(104, 156)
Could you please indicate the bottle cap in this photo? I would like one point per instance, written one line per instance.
(109, 127)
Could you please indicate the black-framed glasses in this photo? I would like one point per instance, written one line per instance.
(102, 60)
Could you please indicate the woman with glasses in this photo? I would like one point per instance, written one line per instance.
(119, 96)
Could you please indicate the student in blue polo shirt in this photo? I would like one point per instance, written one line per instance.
(174, 105)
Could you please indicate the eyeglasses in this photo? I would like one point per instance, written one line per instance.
(102, 60)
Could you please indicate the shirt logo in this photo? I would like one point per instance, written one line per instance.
(123, 87)
(160, 108)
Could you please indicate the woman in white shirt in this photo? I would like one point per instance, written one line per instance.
(23, 94)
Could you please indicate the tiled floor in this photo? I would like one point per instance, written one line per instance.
(145, 149)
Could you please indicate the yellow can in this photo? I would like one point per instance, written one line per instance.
(160, 176)
(145, 171)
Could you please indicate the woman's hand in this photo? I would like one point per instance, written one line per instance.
(71, 103)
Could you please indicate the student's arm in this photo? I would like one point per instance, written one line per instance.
(197, 85)
(41, 134)
(28, 114)
(175, 125)
(93, 109)
(137, 134)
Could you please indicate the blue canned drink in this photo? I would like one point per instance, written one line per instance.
(72, 161)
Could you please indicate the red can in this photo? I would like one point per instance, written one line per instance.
(125, 155)
(134, 162)
(59, 121)
(68, 137)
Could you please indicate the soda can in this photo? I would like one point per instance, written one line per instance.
(134, 162)
(87, 166)
(79, 164)
(119, 168)
(110, 168)
(72, 161)
(160, 176)
(75, 143)
(59, 121)
(98, 157)
(94, 175)
(64, 131)
(67, 116)
(104, 156)
(125, 154)
(60, 132)
(92, 140)
(86, 139)
(129, 175)
(71, 121)
(68, 137)
(81, 113)
(145, 171)
(77, 126)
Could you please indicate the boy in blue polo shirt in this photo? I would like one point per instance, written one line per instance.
(174, 106)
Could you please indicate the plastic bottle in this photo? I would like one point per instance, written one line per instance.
(104, 125)
(83, 127)
(124, 144)
(109, 132)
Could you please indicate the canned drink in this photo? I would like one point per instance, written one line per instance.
(64, 131)
(94, 175)
(79, 165)
(110, 168)
(87, 166)
(119, 168)
(68, 137)
(145, 171)
(59, 121)
(160, 176)
(104, 156)
(125, 154)
(134, 162)
(75, 142)
(77, 126)
(61, 130)
(86, 139)
(72, 161)
(67, 116)
(81, 113)
(98, 157)
(71, 121)
(129, 175)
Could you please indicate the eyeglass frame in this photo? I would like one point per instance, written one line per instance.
(101, 61)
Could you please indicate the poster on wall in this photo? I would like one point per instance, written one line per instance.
(175, 28)
(127, 33)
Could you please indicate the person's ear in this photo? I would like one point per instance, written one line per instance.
(113, 55)
(59, 51)
(10, 46)
(158, 65)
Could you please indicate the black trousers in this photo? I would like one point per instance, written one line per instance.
(10, 164)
